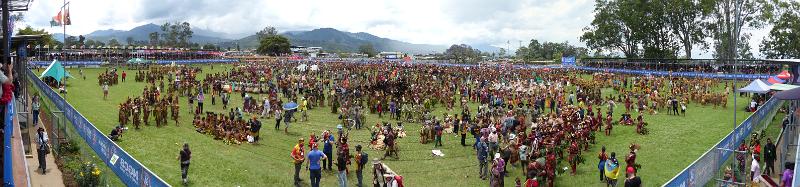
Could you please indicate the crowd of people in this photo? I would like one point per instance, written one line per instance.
(538, 119)
(700, 66)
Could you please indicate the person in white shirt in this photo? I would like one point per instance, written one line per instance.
(43, 149)
(755, 170)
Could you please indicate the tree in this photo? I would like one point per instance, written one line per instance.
(266, 32)
(154, 40)
(113, 42)
(502, 52)
(81, 39)
(367, 49)
(47, 39)
(209, 46)
(70, 40)
(462, 53)
(274, 45)
(612, 29)
(686, 20)
(782, 41)
(723, 28)
(129, 39)
(176, 34)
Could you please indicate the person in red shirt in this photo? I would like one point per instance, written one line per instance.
(124, 75)
(298, 157)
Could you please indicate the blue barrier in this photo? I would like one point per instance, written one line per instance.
(197, 61)
(128, 169)
(703, 170)
(68, 63)
(97, 63)
(8, 164)
(521, 66)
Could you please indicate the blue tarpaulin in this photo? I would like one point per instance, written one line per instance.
(55, 70)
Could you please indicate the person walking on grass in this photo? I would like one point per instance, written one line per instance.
(200, 98)
(361, 159)
(341, 165)
(105, 90)
(298, 156)
(315, 171)
(185, 156)
(43, 148)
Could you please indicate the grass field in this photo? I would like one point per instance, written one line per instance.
(673, 143)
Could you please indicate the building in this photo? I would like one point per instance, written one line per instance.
(391, 55)
(306, 51)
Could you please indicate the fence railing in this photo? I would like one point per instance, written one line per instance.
(129, 170)
(8, 164)
(705, 168)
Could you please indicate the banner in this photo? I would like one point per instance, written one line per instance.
(128, 169)
(705, 168)
(8, 164)
(568, 60)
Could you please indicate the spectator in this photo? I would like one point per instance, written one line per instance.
(788, 174)
(185, 157)
(35, 105)
(769, 157)
(341, 165)
(315, 173)
(116, 133)
(632, 180)
(43, 148)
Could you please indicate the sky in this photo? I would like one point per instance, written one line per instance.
(502, 23)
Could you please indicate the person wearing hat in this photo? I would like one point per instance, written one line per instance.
(498, 171)
(315, 171)
(298, 157)
(632, 180)
(43, 148)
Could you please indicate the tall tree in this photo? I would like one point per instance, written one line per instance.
(462, 53)
(367, 49)
(129, 40)
(266, 32)
(46, 40)
(613, 28)
(81, 39)
(70, 40)
(726, 30)
(782, 41)
(113, 42)
(154, 40)
(685, 19)
(274, 45)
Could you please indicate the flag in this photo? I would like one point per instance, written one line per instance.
(67, 20)
(56, 20)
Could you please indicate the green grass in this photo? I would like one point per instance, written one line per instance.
(673, 143)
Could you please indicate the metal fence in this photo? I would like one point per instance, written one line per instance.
(705, 168)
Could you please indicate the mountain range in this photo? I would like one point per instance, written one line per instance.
(328, 38)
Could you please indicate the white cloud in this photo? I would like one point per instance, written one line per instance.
(442, 22)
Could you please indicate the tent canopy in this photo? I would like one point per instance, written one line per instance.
(137, 61)
(55, 70)
(757, 86)
(782, 87)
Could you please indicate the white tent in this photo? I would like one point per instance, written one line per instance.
(757, 86)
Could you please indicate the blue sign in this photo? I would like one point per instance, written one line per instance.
(128, 169)
(8, 161)
(568, 60)
(704, 169)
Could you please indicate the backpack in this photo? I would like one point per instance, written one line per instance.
(364, 158)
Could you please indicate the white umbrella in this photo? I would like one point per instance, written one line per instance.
(302, 67)
(314, 67)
